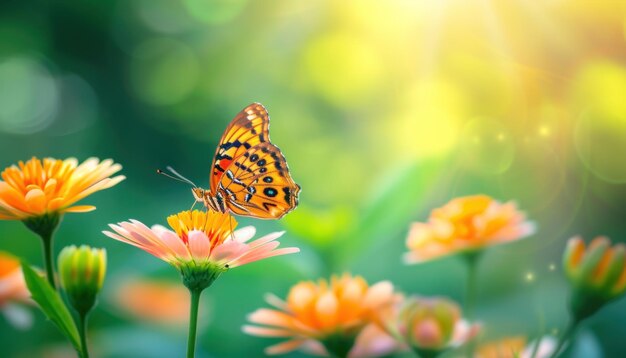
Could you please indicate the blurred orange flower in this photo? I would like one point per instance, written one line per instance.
(332, 313)
(465, 224)
(517, 347)
(37, 187)
(155, 301)
(12, 285)
(13, 290)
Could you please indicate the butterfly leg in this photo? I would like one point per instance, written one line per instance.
(230, 221)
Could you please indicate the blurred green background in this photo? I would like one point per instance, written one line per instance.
(383, 109)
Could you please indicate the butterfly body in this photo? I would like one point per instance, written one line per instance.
(249, 174)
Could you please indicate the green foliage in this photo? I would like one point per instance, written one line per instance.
(51, 304)
(395, 204)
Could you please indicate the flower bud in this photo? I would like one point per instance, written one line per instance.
(82, 272)
(432, 325)
(597, 274)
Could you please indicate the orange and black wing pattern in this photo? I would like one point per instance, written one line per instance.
(250, 172)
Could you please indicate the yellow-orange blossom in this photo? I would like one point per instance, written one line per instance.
(37, 187)
(316, 312)
(466, 224)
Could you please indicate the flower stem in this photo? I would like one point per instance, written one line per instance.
(82, 330)
(44, 226)
(470, 289)
(565, 337)
(193, 322)
(471, 259)
(48, 259)
(426, 353)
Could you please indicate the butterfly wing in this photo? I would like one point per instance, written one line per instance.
(249, 128)
(258, 184)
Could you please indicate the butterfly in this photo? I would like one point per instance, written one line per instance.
(249, 174)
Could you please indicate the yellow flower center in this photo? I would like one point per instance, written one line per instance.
(217, 226)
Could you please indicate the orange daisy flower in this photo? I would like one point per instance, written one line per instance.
(517, 347)
(332, 313)
(13, 290)
(39, 187)
(159, 302)
(466, 224)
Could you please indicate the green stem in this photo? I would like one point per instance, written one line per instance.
(565, 337)
(193, 322)
(82, 330)
(470, 289)
(48, 259)
(471, 258)
(44, 226)
(426, 353)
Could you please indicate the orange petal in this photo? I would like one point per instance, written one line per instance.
(378, 294)
(10, 197)
(267, 332)
(573, 255)
(271, 317)
(80, 209)
(284, 347)
(593, 257)
(36, 201)
(326, 309)
(56, 203)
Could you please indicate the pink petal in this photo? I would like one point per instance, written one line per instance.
(244, 234)
(267, 238)
(228, 251)
(251, 258)
(253, 252)
(199, 245)
(172, 241)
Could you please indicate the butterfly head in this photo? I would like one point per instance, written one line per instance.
(199, 194)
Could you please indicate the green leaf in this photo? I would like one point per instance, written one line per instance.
(51, 304)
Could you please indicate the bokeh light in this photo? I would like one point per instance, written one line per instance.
(215, 12)
(600, 143)
(164, 16)
(164, 71)
(487, 147)
(427, 123)
(28, 96)
(344, 69)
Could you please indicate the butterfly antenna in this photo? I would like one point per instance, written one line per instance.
(159, 171)
(178, 175)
